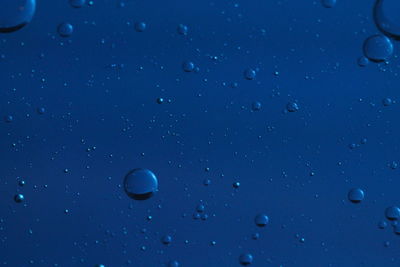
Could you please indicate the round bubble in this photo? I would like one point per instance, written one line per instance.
(356, 195)
(140, 184)
(188, 66)
(392, 213)
(387, 102)
(15, 14)
(167, 239)
(77, 3)
(382, 224)
(19, 198)
(261, 220)
(292, 107)
(256, 106)
(65, 29)
(328, 3)
(386, 17)
(378, 48)
(173, 264)
(249, 74)
(245, 259)
(362, 61)
(140, 26)
(182, 29)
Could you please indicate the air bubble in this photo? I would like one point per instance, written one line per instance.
(356, 195)
(65, 29)
(140, 26)
(249, 74)
(15, 14)
(261, 220)
(378, 48)
(392, 213)
(245, 259)
(140, 184)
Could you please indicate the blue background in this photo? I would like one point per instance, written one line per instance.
(99, 88)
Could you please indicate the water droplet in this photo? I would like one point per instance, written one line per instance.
(167, 239)
(256, 106)
(182, 29)
(8, 118)
(236, 185)
(328, 3)
(245, 259)
(249, 74)
(77, 3)
(15, 14)
(41, 110)
(261, 220)
(382, 224)
(160, 100)
(378, 48)
(140, 26)
(65, 29)
(292, 107)
(140, 184)
(363, 61)
(392, 213)
(173, 264)
(356, 195)
(386, 17)
(19, 198)
(188, 66)
(387, 102)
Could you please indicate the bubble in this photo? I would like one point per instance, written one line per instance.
(236, 185)
(77, 3)
(173, 264)
(15, 14)
(362, 61)
(255, 236)
(392, 213)
(382, 224)
(19, 198)
(245, 259)
(188, 66)
(200, 208)
(99, 265)
(160, 100)
(378, 48)
(356, 195)
(140, 184)
(261, 220)
(328, 3)
(386, 17)
(256, 106)
(167, 239)
(396, 229)
(8, 118)
(140, 26)
(292, 107)
(65, 29)
(387, 102)
(249, 74)
(41, 110)
(182, 29)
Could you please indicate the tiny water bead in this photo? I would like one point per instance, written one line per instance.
(15, 14)
(182, 29)
(140, 184)
(77, 3)
(256, 106)
(362, 61)
(249, 74)
(378, 48)
(245, 259)
(387, 102)
(292, 107)
(65, 29)
(261, 220)
(392, 213)
(188, 66)
(328, 3)
(167, 239)
(18, 198)
(356, 195)
(382, 224)
(140, 26)
(173, 264)
(386, 17)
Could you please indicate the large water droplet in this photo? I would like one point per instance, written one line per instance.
(378, 48)
(140, 184)
(245, 259)
(392, 213)
(15, 14)
(386, 16)
(356, 195)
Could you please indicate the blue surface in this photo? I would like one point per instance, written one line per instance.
(274, 115)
